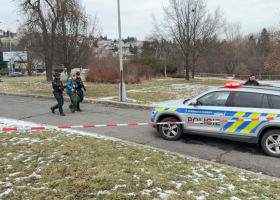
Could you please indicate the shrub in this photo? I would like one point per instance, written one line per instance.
(150, 61)
(4, 71)
(177, 75)
(171, 68)
(155, 64)
(108, 71)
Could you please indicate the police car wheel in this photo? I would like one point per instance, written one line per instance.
(271, 143)
(170, 131)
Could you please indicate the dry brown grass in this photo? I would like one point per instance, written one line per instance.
(59, 165)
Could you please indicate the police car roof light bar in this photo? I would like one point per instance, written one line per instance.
(233, 84)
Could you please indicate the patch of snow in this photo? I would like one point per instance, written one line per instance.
(35, 175)
(217, 170)
(6, 192)
(230, 187)
(103, 192)
(244, 191)
(108, 98)
(149, 182)
(41, 188)
(235, 198)
(146, 192)
(118, 186)
(14, 174)
(189, 192)
(200, 197)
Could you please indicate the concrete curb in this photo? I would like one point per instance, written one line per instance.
(96, 101)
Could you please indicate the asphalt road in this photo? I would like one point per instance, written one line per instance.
(237, 154)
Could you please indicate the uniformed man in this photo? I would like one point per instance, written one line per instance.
(57, 92)
(79, 90)
(252, 81)
(72, 92)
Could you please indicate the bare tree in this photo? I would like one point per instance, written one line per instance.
(190, 25)
(75, 35)
(166, 51)
(34, 54)
(48, 18)
(42, 18)
(232, 31)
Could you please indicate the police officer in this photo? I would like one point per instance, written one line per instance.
(252, 81)
(57, 91)
(79, 90)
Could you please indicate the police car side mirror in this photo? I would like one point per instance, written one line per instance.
(194, 103)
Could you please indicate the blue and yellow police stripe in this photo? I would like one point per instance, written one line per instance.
(247, 126)
(179, 110)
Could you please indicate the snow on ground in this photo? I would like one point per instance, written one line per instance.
(198, 172)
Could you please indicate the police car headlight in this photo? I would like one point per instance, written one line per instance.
(155, 109)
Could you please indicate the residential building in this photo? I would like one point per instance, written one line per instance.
(21, 32)
(105, 44)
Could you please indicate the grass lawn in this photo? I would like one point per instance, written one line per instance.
(50, 164)
(147, 92)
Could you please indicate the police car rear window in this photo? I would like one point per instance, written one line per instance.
(248, 99)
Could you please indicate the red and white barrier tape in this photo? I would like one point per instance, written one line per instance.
(139, 124)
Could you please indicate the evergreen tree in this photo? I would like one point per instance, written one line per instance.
(262, 49)
(115, 49)
(262, 43)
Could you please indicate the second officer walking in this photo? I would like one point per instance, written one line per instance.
(80, 92)
(72, 92)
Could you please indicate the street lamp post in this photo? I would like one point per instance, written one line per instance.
(11, 55)
(122, 93)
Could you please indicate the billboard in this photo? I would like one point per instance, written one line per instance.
(18, 56)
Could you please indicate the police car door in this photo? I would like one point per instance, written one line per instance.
(246, 105)
(209, 107)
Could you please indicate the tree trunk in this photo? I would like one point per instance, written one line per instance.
(187, 73)
(165, 67)
(193, 72)
(187, 69)
(68, 69)
(48, 69)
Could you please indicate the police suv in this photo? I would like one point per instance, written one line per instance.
(225, 107)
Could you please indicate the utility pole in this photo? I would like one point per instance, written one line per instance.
(122, 92)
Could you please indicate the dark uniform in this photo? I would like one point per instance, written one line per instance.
(252, 82)
(57, 92)
(80, 91)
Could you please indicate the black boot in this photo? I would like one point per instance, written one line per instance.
(52, 110)
(79, 110)
(62, 114)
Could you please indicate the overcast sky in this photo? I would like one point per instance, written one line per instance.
(136, 21)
